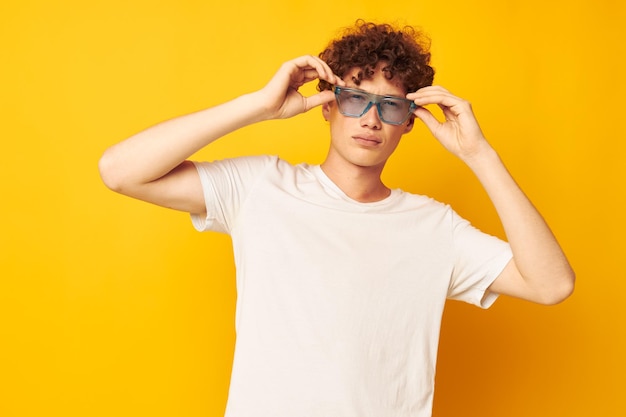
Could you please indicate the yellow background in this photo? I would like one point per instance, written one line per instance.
(112, 307)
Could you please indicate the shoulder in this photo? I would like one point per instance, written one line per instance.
(239, 162)
(412, 201)
(239, 167)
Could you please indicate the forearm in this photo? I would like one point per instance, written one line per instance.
(156, 151)
(538, 256)
(540, 271)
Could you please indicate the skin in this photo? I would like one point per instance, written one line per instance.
(152, 165)
(360, 147)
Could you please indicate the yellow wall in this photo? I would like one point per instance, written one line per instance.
(111, 307)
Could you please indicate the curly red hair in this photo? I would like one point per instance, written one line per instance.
(405, 51)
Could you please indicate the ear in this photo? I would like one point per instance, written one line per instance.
(326, 111)
(410, 124)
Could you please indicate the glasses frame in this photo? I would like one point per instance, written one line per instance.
(373, 99)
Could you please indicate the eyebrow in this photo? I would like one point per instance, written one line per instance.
(374, 94)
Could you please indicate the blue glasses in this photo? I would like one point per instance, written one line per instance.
(392, 110)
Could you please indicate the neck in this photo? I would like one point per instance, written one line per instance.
(362, 184)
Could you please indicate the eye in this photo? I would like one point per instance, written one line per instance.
(392, 104)
(356, 97)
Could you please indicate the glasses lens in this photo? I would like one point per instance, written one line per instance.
(355, 103)
(394, 110)
(352, 102)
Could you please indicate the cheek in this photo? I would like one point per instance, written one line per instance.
(395, 138)
(335, 118)
(337, 128)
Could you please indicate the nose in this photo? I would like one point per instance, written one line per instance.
(371, 119)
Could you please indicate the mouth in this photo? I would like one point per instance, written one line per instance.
(367, 140)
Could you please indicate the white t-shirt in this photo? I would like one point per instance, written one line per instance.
(339, 302)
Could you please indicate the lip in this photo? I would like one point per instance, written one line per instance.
(367, 140)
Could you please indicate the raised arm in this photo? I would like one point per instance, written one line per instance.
(539, 270)
(152, 166)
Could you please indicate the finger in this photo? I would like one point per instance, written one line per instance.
(431, 89)
(310, 74)
(431, 122)
(324, 70)
(434, 95)
(440, 99)
(315, 68)
(448, 113)
(318, 99)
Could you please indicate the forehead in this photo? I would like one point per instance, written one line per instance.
(377, 83)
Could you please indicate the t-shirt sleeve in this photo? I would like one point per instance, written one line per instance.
(478, 260)
(225, 185)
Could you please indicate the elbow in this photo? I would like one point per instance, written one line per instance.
(560, 292)
(110, 173)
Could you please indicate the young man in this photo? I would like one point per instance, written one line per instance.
(342, 281)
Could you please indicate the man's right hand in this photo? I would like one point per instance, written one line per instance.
(151, 165)
(281, 95)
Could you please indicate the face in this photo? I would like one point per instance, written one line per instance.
(364, 141)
